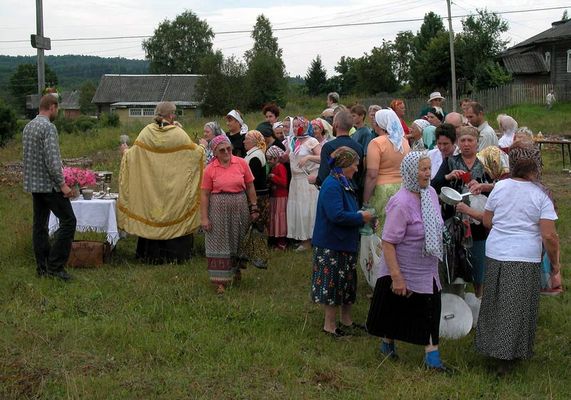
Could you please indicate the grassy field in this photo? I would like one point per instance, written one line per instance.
(135, 331)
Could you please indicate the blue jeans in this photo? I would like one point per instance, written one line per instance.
(52, 257)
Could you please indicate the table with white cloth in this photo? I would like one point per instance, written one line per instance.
(96, 215)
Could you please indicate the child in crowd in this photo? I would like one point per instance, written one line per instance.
(278, 197)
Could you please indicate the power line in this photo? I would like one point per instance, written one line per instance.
(296, 28)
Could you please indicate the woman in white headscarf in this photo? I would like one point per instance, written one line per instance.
(508, 128)
(415, 135)
(406, 304)
(384, 156)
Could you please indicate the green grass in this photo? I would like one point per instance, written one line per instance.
(134, 331)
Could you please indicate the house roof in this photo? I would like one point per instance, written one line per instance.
(146, 89)
(560, 30)
(525, 63)
(69, 100)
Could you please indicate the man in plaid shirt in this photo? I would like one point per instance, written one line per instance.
(43, 177)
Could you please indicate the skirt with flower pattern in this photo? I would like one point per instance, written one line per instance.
(334, 279)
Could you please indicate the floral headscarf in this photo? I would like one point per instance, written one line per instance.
(388, 120)
(325, 127)
(433, 226)
(217, 140)
(341, 158)
(274, 152)
(495, 162)
(299, 133)
(258, 139)
(421, 123)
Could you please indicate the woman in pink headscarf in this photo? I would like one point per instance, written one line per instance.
(227, 203)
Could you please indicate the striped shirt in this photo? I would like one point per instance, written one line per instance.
(42, 161)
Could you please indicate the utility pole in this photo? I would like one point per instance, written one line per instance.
(452, 58)
(40, 43)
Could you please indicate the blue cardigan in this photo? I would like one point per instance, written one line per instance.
(337, 220)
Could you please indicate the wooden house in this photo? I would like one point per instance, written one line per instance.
(544, 58)
(134, 97)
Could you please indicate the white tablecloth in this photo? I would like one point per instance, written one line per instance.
(93, 216)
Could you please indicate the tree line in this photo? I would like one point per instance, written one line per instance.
(413, 63)
(419, 63)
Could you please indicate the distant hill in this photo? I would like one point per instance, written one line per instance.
(73, 70)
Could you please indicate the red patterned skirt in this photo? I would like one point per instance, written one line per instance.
(230, 219)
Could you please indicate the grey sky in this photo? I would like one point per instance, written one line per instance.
(98, 18)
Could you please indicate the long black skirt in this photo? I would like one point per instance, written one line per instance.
(414, 319)
(165, 251)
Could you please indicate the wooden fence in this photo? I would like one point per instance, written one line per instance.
(492, 99)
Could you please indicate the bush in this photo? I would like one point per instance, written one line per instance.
(64, 125)
(8, 124)
(109, 119)
(85, 123)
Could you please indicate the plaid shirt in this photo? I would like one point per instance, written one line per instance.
(42, 161)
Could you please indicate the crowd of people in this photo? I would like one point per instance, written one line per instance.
(312, 184)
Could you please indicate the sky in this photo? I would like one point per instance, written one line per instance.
(64, 19)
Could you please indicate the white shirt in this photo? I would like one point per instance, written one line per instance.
(488, 136)
(436, 159)
(517, 206)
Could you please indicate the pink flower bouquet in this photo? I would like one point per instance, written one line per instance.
(77, 176)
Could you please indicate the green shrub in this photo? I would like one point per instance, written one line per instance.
(85, 123)
(8, 124)
(64, 125)
(109, 120)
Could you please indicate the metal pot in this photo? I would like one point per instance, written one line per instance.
(451, 196)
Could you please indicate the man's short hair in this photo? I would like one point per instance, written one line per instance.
(359, 109)
(456, 116)
(447, 130)
(476, 107)
(334, 97)
(343, 120)
(47, 101)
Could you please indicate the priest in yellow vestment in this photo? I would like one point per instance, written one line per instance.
(159, 189)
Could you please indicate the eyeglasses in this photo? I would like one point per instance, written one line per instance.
(224, 150)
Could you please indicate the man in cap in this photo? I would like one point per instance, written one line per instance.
(435, 100)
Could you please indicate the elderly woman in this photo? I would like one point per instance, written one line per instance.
(161, 171)
(465, 172)
(303, 152)
(211, 129)
(335, 241)
(227, 202)
(236, 131)
(255, 146)
(406, 304)
(508, 128)
(523, 134)
(508, 315)
(322, 130)
(398, 106)
(415, 135)
(384, 156)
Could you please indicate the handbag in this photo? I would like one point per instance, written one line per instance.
(254, 248)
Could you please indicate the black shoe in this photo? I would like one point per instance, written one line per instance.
(61, 274)
(337, 334)
(356, 328)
